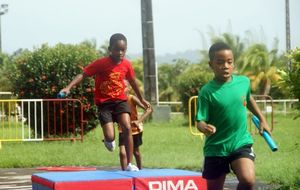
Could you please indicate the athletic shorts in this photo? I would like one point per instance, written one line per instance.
(109, 111)
(216, 166)
(137, 139)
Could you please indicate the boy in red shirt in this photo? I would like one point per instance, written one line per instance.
(109, 73)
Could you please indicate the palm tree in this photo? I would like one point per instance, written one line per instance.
(167, 77)
(137, 65)
(261, 66)
(233, 41)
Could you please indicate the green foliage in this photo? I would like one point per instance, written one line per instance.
(5, 67)
(257, 62)
(293, 78)
(139, 72)
(45, 71)
(233, 41)
(167, 81)
(191, 80)
(272, 166)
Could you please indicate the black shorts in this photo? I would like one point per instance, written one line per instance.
(108, 111)
(137, 139)
(216, 166)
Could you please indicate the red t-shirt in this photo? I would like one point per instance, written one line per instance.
(109, 78)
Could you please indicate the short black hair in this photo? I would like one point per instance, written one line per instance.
(217, 47)
(116, 37)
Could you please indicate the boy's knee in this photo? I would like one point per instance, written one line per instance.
(136, 153)
(246, 182)
(126, 128)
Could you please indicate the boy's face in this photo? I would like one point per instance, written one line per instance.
(118, 50)
(223, 65)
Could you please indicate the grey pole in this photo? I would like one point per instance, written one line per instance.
(287, 25)
(287, 30)
(149, 62)
(0, 37)
(3, 10)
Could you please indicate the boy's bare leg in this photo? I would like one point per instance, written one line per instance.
(216, 184)
(124, 121)
(245, 172)
(138, 157)
(109, 135)
(108, 131)
(122, 155)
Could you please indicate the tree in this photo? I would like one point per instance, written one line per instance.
(191, 80)
(139, 72)
(5, 68)
(167, 80)
(293, 77)
(43, 72)
(261, 66)
(233, 41)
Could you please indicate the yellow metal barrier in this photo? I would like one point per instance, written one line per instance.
(11, 126)
(41, 119)
(192, 113)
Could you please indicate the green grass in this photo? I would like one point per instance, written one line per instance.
(166, 145)
(281, 167)
(13, 130)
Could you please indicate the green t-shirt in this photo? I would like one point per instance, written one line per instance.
(224, 105)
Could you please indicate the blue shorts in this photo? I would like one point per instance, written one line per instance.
(216, 166)
(109, 111)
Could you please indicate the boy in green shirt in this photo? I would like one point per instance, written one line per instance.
(222, 117)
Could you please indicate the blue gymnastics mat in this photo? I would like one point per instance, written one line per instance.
(146, 179)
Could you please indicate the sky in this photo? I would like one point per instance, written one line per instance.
(179, 25)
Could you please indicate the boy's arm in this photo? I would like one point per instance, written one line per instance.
(201, 115)
(137, 91)
(253, 107)
(147, 110)
(77, 79)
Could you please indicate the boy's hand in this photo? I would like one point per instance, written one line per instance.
(65, 90)
(135, 122)
(206, 129)
(138, 124)
(146, 103)
(264, 126)
(209, 130)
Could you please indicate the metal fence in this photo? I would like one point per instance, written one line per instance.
(267, 105)
(41, 119)
(281, 106)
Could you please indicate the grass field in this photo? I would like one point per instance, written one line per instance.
(166, 145)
